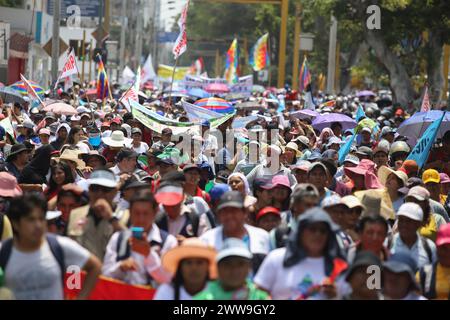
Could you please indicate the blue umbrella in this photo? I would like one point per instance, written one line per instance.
(416, 125)
(198, 93)
(9, 95)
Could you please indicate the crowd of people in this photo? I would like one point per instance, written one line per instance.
(262, 212)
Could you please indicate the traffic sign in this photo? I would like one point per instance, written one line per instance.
(62, 47)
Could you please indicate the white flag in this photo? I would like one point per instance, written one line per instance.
(131, 94)
(70, 67)
(148, 73)
(425, 102)
(181, 43)
(127, 76)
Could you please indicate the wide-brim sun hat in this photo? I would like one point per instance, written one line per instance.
(384, 172)
(190, 248)
(116, 139)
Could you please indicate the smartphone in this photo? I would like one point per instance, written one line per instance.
(137, 232)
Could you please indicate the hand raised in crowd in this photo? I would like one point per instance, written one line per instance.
(140, 246)
(329, 289)
(103, 208)
(128, 265)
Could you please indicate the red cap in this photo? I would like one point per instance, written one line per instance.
(410, 166)
(105, 124)
(399, 112)
(116, 120)
(267, 210)
(443, 235)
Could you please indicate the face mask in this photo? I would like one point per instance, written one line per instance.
(95, 141)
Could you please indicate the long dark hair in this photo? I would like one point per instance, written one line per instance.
(178, 281)
(72, 132)
(67, 173)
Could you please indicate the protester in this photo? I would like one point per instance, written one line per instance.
(234, 263)
(35, 262)
(134, 257)
(303, 269)
(192, 265)
(17, 159)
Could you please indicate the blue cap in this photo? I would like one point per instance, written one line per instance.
(205, 123)
(218, 190)
(161, 113)
(315, 155)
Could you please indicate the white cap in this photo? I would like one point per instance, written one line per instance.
(366, 129)
(411, 210)
(50, 215)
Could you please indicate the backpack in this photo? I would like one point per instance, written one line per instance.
(55, 248)
(162, 221)
(281, 236)
(427, 248)
(2, 224)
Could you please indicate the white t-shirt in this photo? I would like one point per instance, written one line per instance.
(166, 291)
(37, 275)
(289, 283)
(143, 147)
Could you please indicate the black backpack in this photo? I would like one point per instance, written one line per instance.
(55, 248)
(162, 221)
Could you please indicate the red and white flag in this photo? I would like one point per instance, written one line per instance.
(181, 43)
(131, 94)
(70, 67)
(425, 102)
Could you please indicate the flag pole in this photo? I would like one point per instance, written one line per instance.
(171, 82)
(127, 91)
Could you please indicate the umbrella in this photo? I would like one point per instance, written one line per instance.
(20, 87)
(198, 93)
(365, 93)
(325, 120)
(416, 125)
(305, 114)
(10, 95)
(215, 104)
(258, 88)
(367, 122)
(61, 108)
(249, 105)
(217, 88)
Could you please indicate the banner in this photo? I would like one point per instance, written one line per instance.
(157, 123)
(165, 73)
(127, 76)
(423, 146)
(180, 45)
(360, 113)
(111, 289)
(198, 114)
(193, 82)
(7, 125)
(244, 85)
(130, 94)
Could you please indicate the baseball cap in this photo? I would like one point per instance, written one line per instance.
(318, 165)
(267, 210)
(365, 151)
(44, 131)
(331, 201)
(104, 178)
(305, 190)
(234, 247)
(169, 193)
(419, 193)
(116, 120)
(303, 140)
(218, 190)
(314, 156)
(362, 259)
(206, 123)
(281, 180)
(443, 235)
(166, 131)
(431, 175)
(174, 176)
(410, 166)
(352, 159)
(400, 262)
(301, 165)
(231, 199)
(444, 178)
(136, 130)
(411, 210)
(366, 129)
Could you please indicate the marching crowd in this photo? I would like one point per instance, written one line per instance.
(238, 217)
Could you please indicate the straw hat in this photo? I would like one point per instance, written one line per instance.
(72, 155)
(190, 248)
(384, 172)
(293, 146)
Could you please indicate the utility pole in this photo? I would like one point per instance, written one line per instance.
(122, 36)
(283, 40)
(298, 10)
(332, 56)
(55, 39)
(100, 23)
(138, 34)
